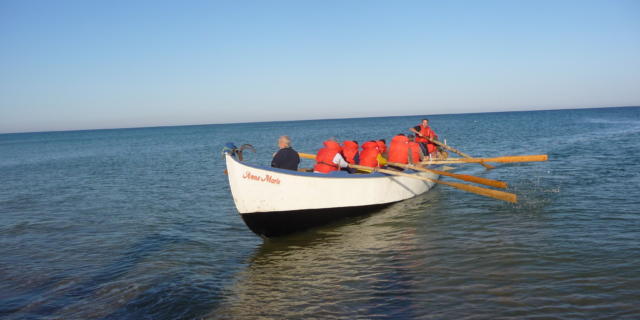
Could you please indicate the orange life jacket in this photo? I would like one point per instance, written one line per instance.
(381, 146)
(426, 132)
(431, 148)
(369, 154)
(324, 157)
(399, 149)
(414, 148)
(349, 151)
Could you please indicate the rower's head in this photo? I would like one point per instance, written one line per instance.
(425, 122)
(411, 137)
(284, 142)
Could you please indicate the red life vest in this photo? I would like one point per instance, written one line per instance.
(431, 148)
(381, 146)
(427, 132)
(414, 148)
(369, 154)
(399, 149)
(349, 151)
(324, 158)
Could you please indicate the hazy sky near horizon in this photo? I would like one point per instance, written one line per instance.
(108, 64)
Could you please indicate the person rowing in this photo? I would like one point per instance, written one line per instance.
(404, 150)
(415, 151)
(423, 131)
(329, 158)
(370, 155)
(399, 149)
(350, 151)
(382, 147)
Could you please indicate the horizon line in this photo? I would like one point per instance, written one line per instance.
(320, 119)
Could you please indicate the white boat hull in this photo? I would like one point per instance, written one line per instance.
(275, 201)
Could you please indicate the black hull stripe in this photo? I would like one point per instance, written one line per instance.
(274, 224)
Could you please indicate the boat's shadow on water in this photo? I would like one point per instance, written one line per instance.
(357, 263)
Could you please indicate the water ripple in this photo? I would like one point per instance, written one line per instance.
(139, 224)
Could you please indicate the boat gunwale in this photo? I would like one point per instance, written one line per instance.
(332, 175)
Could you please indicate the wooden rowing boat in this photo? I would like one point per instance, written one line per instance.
(274, 202)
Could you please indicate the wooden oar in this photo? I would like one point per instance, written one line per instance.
(465, 177)
(505, 159)
(307, 155)
(488, 166)
(500, 195)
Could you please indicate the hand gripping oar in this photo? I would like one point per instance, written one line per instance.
(488, 166)
(500, 195)
(465, 177)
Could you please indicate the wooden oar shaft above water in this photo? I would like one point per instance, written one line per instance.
(500, 195)
(465, 177)
(307, 155)
(506, 159)
(488, 166)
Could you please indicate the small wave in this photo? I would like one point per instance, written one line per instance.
(612, 121)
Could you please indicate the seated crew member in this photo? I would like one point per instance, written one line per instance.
(329, 159)
(369, 155)
(286, 157)
(399, 149)
(422, 132)
(350, 151)
(382, 146)
(415, 151)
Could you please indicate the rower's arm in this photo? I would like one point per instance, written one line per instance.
(412, 129)
(339, 160)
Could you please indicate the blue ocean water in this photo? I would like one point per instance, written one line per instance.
(140, 224)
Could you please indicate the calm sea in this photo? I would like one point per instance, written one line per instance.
(140, 224)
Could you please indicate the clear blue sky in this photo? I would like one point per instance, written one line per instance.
(107, 64)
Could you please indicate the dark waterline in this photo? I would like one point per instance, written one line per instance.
(139, 223)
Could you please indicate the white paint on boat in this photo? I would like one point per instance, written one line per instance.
(263, 189)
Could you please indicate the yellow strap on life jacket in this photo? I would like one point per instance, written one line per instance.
(381, 160)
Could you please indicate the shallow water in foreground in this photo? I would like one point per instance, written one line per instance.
(139, 223)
